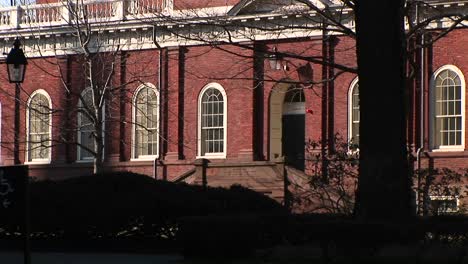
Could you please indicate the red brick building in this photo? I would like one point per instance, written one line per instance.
(217, 91)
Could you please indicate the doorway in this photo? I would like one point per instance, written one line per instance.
(287, 125)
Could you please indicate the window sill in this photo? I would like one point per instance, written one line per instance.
(145, 158)
(84, 161)
(38, 162)
(212, 157)
(455, 198)
(449, 149)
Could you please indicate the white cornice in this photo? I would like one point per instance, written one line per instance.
(179, 29)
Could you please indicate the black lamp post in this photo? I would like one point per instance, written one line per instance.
(16, 67)
(16, 63)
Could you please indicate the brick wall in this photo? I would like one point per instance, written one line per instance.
(185, 71)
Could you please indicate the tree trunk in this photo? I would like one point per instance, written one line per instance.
(384, 189)
(99, 143)
(97, 166)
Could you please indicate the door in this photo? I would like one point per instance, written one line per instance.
(294, 140)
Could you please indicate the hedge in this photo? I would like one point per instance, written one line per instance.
(117, 205)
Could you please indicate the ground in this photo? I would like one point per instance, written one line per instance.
(278, 255)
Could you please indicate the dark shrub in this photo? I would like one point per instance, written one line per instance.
(130, 205)
(219, 236)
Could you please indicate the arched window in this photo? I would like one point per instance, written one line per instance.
(145, 122)
(39, 124)
(86, 137)
(212, 120)
(294, 102)
(448, 122)
(353, 114)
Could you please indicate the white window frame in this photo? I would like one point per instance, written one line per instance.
(446, 197)
(432, 120)
(217, 155)
(350, 109)
(134, 154)
(78, 132)
(28, 113)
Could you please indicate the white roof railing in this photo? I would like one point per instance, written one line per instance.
(65, 12)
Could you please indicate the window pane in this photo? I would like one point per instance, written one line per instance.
(451, 92)
(451, 138)
(355, 115)
(457, 106)
(444, 138)
(444, 92)
(355, 134)
(458, 93)
(458, 138)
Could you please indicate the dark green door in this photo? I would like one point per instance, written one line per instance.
(294, 140)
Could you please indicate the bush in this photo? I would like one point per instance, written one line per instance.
(238, 235)
(126, 204)
(218, 236)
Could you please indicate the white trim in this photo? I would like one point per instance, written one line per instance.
(144, 157)
(432, 110)
(220, 155)
(38, 161)
(350, 107)
(78, 132)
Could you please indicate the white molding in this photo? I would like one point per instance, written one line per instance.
(145, 157)
(38, 161)
(432, 110)
(219, 155)
(173, 19)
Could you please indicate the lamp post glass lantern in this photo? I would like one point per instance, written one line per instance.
(16, 63)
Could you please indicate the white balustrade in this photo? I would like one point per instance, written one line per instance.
(5, 16)
(97, 10)
(41, 14)
(61, 13)
(144, 7)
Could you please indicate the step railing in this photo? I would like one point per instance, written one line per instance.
(92, 11)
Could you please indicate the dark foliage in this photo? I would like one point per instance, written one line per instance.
(128, 205)
(219, 236)
(337, 235)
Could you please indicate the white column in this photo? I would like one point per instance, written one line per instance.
(120, 9)
(168, 7)
(15, 16)
(65, 11)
